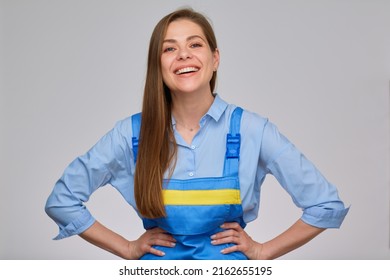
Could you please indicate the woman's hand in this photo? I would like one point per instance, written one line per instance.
(234, 233)
(144, 244)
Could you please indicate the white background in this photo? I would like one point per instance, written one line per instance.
(320, 70)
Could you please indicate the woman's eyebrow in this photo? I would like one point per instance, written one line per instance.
(194, 37)
(188, 39)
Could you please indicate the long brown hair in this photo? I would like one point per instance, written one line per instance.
(157, 146)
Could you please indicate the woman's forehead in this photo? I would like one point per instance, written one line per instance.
(182, 29)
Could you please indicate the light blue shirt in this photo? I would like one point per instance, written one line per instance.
(264, 150)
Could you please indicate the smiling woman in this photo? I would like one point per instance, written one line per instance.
(188, 64)
(192, 165)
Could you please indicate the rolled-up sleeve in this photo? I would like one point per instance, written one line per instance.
(66, 203)
(308, 188)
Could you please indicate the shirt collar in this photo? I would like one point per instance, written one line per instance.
(217, 108)
(215, 111)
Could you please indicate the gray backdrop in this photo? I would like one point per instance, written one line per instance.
(319, 69)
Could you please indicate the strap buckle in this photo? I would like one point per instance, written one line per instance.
(135, 141)
(233, 143)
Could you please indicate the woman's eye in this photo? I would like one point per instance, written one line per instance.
(196, 45)
(169, 49)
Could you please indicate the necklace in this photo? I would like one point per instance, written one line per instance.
(186, 127)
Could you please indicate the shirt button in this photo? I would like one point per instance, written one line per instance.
(191, 174)
(193, 147)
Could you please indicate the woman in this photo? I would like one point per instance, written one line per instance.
(199, 163)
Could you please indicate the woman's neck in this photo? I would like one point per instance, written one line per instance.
(189, 108)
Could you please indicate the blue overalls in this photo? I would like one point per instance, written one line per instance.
(196, 208)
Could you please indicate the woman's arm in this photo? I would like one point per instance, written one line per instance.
(294, 237)
(101, 236)
(297, 235)
(108, 240)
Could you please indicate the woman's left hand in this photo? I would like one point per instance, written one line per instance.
(234, 233)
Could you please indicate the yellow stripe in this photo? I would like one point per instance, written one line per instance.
(201, 197)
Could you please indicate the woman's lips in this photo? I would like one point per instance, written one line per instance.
(188, 69)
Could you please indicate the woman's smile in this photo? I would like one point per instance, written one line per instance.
(186, 70)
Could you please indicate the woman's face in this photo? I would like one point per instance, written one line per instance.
(187, 61)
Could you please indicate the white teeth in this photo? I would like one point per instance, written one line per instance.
(187, 70)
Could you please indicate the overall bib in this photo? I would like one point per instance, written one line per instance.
(196, 208)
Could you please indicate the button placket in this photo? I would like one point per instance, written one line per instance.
(191, 173)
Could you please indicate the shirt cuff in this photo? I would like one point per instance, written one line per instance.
(324, 218)
(80, 224)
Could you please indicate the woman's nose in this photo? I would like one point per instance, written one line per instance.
(184, 54)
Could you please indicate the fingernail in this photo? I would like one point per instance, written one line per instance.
(173, 244)
(213, 241)
(213, 236)
(223, 225)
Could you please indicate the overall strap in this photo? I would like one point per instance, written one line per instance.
(136, 125)
(233, 142)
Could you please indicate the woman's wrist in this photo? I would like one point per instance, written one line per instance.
(129, 251)
(263, 252)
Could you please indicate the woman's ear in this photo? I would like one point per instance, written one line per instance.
(216, 59)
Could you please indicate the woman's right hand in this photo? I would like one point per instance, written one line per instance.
(144, 244)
